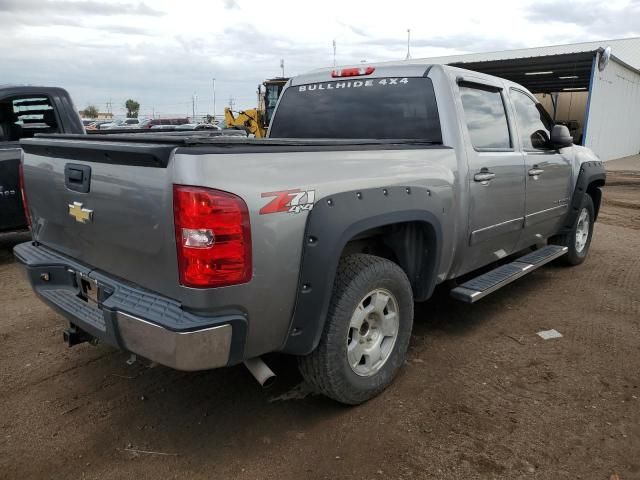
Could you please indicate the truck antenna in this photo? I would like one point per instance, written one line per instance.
(334, 52)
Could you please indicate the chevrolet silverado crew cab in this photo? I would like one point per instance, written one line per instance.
(375, 184)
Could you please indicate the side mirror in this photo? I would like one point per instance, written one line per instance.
(561, 137)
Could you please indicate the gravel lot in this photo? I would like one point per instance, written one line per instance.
(481, 395)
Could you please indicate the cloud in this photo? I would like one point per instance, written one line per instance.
(600, 19)
(39, 8)
(231, 5)
(460, 42)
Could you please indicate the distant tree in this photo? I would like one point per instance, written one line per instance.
(91, 111)
(133, 108)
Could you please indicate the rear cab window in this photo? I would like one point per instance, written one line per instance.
(23, 117)
(402, 108)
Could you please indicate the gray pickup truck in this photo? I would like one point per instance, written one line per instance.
(376, 184)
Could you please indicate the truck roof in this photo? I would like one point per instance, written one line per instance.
(402, 68)
(30, 89)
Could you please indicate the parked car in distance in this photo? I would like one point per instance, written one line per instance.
(110, 124)
(126, 123)
(150, 123)
(162, 127)
(198, 126)
(317, 240)
(25, 111)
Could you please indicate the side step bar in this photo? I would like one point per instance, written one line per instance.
(483, 285)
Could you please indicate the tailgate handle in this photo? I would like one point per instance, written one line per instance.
(77, 177)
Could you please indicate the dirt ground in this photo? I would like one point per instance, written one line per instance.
(481, 395)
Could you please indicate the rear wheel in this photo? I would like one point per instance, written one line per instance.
(578, 239)
(367, 331)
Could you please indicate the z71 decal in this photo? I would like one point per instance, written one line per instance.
(292, 201)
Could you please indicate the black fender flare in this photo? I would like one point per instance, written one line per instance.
(333, 221)
(590, 172)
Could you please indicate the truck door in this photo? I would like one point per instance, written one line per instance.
(548, 170)
(496, 175)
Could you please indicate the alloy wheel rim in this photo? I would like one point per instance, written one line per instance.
(582, 230)
(373, 331)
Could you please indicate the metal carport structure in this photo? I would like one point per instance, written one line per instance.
(606, 101)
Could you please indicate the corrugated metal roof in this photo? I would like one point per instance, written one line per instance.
(625, 49)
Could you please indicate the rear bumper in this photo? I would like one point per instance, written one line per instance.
(133, 319)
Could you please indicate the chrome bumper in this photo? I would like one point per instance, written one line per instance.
(198, 350)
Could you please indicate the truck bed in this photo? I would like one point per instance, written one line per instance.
(156, 148)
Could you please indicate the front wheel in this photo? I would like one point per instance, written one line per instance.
(367, 331)
(578, 239)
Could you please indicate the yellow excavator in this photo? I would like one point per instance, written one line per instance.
(255, 121)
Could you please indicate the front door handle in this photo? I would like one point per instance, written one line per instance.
(535, 171)
(484, 176)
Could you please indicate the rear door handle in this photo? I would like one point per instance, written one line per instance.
(484, 177)
(534, 172)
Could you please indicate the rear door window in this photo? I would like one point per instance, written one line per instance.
(486, 118)
(368, 108)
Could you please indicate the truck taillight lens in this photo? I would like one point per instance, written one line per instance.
(213, 237)
(25, 205)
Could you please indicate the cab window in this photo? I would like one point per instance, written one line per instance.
(486, 118)
(534, 123)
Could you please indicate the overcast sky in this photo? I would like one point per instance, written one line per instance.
(162, 52)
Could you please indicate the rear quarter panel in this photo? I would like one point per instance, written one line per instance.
(277, 238)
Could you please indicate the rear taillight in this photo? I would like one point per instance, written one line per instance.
(352, 72)
(25, 205)
(213, 237)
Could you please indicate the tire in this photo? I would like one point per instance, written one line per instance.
(362, 284)
(578, 250)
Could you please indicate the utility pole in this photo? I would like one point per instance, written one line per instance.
(231, 103)
(193, 107)
(282, 66)
(334, 53)
(408, 44)
(213, 80)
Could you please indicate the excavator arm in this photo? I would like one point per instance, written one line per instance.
(248, 120)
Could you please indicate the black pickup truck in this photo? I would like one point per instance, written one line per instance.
(25, 111)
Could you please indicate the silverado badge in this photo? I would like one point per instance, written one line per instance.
(82, 215)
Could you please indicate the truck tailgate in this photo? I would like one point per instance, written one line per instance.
(106, 204)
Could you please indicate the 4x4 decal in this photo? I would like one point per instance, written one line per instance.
(292, 201)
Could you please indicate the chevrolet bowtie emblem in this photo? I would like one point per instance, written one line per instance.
(82, 215)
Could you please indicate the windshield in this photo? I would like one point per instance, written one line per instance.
(377, 108)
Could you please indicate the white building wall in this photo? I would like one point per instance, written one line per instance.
(613, 124)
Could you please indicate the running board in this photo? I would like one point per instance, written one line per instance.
(481, 286)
